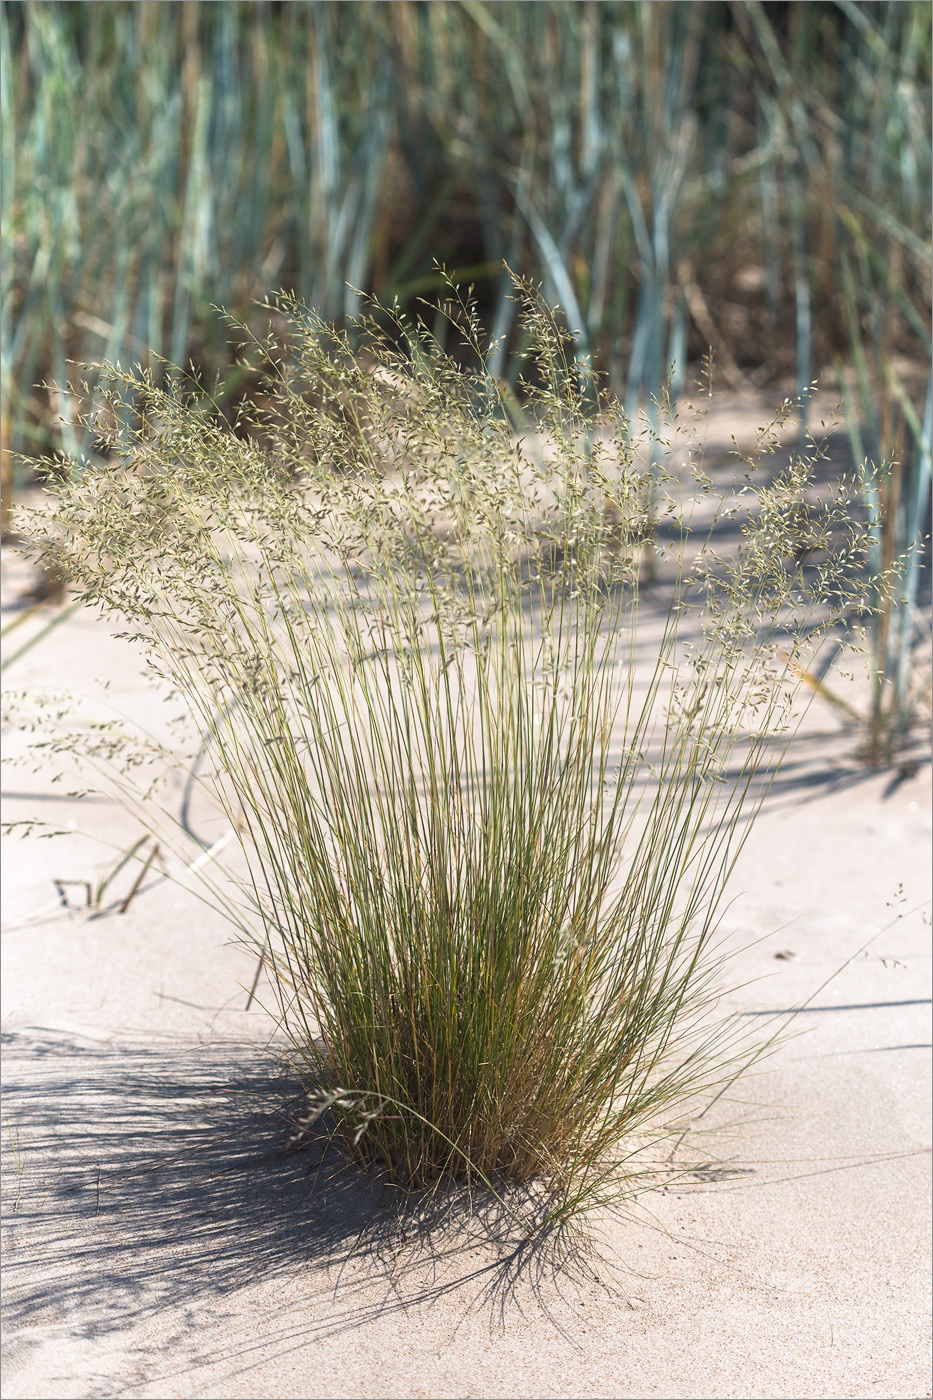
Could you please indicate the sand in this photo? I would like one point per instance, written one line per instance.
(158, 1241)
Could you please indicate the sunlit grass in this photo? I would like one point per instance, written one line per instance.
(488, 819)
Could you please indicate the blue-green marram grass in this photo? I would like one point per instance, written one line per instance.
(486, 845)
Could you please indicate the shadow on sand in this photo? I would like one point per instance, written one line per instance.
(145, 1178)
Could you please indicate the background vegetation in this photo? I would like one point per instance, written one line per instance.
(749, 177)
(755, 177)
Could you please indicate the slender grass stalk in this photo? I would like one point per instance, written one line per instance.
(855, 139)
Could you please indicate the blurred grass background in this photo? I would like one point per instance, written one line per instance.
(750, 177)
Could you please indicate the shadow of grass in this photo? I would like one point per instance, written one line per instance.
(141, 1178)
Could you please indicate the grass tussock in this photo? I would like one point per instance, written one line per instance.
(487, 817)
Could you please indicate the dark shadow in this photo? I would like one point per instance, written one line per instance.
(853, 1165)
(55, 797)
(854, 1006)
(819, 763)
(140, 1178)
(871, 1050)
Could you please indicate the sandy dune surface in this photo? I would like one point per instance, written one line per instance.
(159, 1241)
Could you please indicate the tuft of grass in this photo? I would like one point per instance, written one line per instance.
(487, 815)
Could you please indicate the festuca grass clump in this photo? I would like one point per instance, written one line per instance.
(487, 818)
